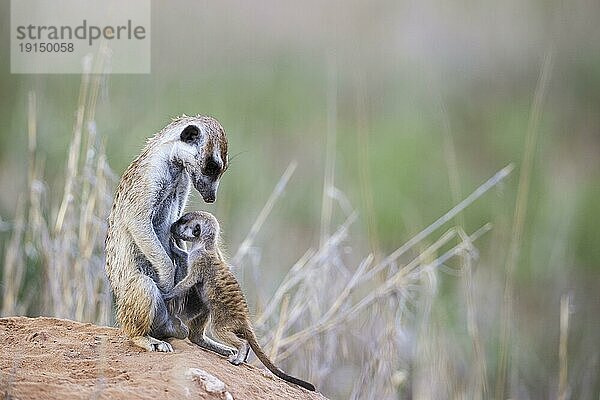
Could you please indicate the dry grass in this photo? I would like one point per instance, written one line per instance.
(563, 386)
(520, 215)
(59, 245)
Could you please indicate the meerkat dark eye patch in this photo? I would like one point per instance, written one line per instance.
(196, 231)
(190, 133)
(212, 167)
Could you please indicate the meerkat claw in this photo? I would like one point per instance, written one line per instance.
(162, 347)
(234, 359)
(149, 343)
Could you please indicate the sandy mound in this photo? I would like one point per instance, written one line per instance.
(49, 358)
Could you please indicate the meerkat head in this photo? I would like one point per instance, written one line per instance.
(197, 227)
(198, 145)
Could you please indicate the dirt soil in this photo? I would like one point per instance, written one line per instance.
(50, 358)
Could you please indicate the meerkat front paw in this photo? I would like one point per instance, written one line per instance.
(177, 252)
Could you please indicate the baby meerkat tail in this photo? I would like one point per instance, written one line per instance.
(251, 338)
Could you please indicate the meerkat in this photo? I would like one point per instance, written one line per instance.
(151, 195)
(209, 274)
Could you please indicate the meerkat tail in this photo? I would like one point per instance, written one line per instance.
(251, 338)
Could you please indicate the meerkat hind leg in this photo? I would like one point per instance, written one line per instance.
(217, 347)
(240, 344)
(242, 354)
(173, 327)
(149, 343)
(207, 343)
(197, 336)
(141, 311)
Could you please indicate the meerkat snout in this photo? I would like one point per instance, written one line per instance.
(207, 185)
(207, 182)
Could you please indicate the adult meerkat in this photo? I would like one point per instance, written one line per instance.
(209, 275)
(151, 195)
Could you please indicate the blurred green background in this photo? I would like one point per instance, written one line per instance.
(407, 87)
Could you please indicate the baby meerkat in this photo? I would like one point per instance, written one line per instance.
(209, 274)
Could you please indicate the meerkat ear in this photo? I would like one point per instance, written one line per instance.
(190, 133)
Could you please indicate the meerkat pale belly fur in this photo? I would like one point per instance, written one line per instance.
(151, 195)
(209, 274)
